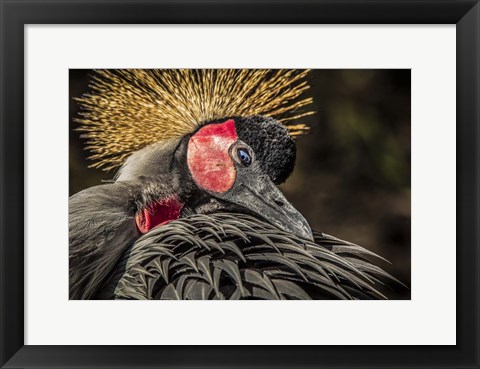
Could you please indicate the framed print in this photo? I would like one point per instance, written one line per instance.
(286, 156)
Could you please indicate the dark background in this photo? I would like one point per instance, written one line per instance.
(352, 177)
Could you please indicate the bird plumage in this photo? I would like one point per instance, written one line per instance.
(129, 109)
(237, 256)
(194, 211)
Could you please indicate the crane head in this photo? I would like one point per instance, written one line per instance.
(240, 161)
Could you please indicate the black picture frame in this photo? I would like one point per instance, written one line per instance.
(15, 14)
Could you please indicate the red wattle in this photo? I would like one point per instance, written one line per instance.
(208, 160)
(159, 213)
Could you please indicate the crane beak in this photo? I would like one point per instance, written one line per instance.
(260, 195)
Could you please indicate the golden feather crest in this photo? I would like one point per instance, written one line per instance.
(128, 109)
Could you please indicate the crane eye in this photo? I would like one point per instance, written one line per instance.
(244, 156)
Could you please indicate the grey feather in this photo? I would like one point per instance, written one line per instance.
(233, 256)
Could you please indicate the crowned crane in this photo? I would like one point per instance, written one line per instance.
(194, 212)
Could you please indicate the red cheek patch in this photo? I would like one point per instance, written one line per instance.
(208, 160)
(159, 213)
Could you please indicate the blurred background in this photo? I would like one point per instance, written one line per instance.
(352, 176)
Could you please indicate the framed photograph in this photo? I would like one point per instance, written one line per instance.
(239, 185)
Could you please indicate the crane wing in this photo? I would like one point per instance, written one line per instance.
(237, 256)
(101, 227)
